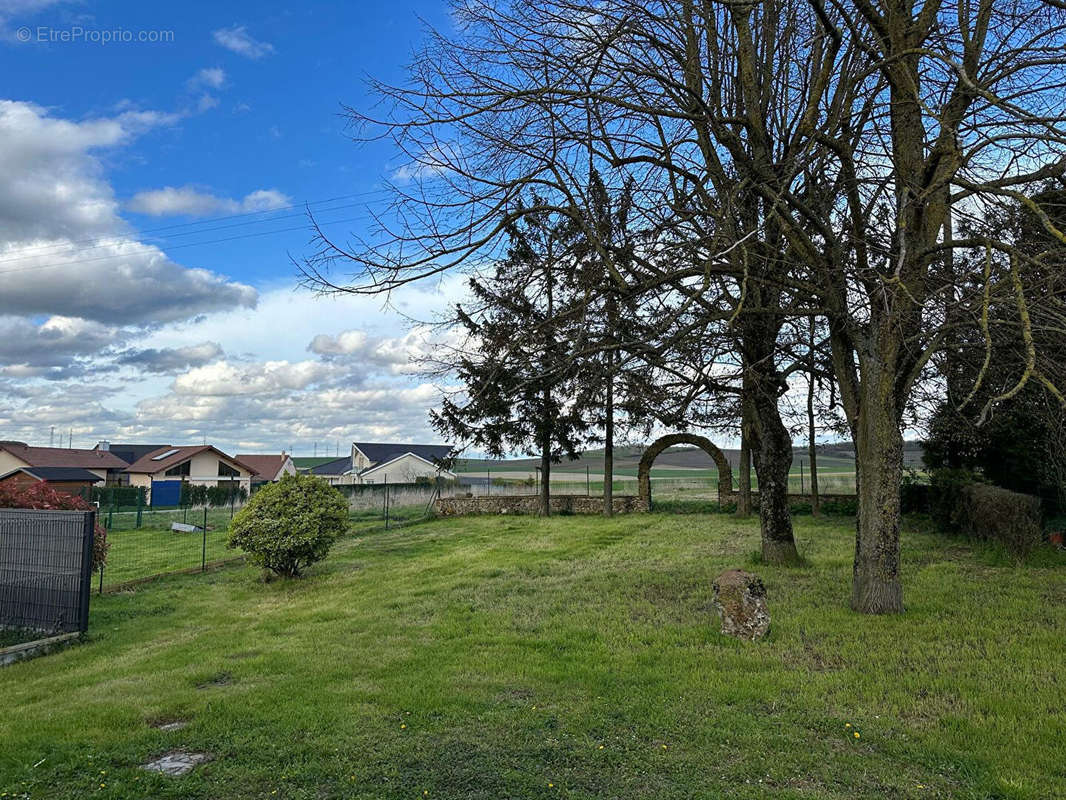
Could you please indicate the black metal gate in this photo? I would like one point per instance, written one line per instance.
(45, 569)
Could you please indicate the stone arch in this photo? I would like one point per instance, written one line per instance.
(725, 472)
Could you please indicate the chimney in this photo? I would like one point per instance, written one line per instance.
(105, 446)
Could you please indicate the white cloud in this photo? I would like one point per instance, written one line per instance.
(64, 249)
(237, 40)
(270, 389)
(224, 379)
(208, 77)
(400, 355)
(171, 359)
(189, 201)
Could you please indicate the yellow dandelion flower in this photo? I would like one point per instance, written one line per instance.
(847, 724)
(601, 747)
(856, 734)
(403, 726)
(551, 785)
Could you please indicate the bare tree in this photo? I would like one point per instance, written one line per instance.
(791, 157)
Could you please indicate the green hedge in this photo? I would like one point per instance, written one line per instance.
(1000, 515)
(108, 496)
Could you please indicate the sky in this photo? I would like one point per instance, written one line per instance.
(156, 161)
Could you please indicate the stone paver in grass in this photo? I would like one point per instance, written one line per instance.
(176, 725)
(176, 763)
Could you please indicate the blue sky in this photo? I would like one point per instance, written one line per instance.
(122, 315)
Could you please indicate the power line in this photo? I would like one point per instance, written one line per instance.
(180, 247)
(145, 233)
(158, 239)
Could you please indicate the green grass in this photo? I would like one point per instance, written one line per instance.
(564, 658)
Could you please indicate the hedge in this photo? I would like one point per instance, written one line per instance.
(1000, 515)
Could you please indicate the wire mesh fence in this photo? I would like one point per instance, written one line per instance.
(152, 542)
(45, 570)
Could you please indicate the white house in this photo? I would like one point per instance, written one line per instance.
(379, 462)
(162, 471)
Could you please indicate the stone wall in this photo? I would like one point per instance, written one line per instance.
(530, 504)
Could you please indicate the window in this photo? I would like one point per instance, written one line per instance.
(180, 471)
(226, 471)
(163, 456)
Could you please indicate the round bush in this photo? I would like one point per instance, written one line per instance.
(289, 525)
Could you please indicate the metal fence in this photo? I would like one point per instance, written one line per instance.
(148, 544)
(45, 569)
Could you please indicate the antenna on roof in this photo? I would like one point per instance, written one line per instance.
(70, 442)
(52, 437)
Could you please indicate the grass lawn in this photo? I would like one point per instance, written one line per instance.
(564, 658)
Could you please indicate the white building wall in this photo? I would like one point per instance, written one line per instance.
(406, 469)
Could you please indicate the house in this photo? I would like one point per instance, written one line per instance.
(70, 480)
(399, 463)
(16, 455)
(379, 462)
(268, 469)
(163, 470)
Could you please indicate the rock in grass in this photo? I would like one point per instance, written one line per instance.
(740, 598)
(176, 763)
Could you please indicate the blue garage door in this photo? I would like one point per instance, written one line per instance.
(166, 493)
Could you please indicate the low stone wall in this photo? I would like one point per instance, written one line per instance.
(530, 504)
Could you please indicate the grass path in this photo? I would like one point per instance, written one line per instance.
(564, 658)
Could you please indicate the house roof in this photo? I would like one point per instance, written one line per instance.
(57, 474)
(337, 466)
(165, 457)
(62, 457)
(132, 452)
(379, 452)
(267, 466)
(385, 464)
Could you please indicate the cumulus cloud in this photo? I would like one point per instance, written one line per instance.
(225, 379)
(398, 354)
(53, 343)
(236, 39)
(64, 249)
(189, 201)
(171, 359)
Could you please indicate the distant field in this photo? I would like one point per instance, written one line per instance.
(831, 458)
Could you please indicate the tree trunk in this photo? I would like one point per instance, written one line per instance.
(771, 444)
(608, 443)
(772, 452)
(546, 460)
(812, 441)
(744, 468)
(876, 586)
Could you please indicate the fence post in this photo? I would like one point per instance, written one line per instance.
(140, 508)
(85, 585)
(488, 481)
(588, 482)
(203, 551)
(803, 485)
(386, 503)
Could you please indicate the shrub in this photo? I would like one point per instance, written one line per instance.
(1000, 515)
(193, 495)
(915, 495)
(108, 496)
(43, 497)
(945, 496)
(290, 525)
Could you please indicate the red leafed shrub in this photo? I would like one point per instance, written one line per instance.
(42, 497)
